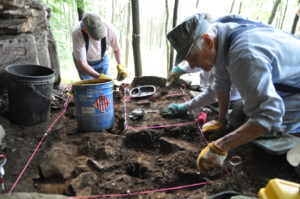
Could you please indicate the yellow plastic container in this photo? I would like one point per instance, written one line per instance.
(280, 189)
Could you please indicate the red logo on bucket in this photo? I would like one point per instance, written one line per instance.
(101, 103)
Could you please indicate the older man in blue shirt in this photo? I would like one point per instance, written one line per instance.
(262, 62)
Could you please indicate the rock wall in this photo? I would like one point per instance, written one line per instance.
(26, 37)
(32, 196)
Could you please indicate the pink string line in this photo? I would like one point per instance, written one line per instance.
(157, 190)
(225, 168)
(161, 126)
(145, 192)
(44, 136)
(164, 126)
(171, 95)
(198, 124)
(114, 195)
(125, 89)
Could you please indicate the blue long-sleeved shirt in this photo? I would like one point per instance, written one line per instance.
(257, 59)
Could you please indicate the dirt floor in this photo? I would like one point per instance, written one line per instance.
(124, 160)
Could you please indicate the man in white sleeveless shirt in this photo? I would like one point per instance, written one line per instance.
(91, 38)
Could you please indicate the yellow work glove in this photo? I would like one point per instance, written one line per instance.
(211, 156)
(214, 129)
(122, 74)
(101, 79)
(104, 77)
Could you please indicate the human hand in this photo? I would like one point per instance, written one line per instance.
(211, 156)
(176, 72)
(122, 74)
(174, 110)
(214, 129)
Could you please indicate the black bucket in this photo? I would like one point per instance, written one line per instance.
(29, 93)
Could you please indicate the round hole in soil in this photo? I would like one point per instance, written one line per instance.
(137, 171)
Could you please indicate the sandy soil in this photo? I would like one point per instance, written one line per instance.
(120, 160)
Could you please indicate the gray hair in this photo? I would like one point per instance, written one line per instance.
(198, 43)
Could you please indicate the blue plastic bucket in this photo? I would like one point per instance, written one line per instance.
(94, 106)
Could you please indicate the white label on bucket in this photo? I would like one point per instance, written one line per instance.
(84, 98)
(88, 110)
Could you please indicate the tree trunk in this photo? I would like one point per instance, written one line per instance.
(74, 7)
(161, 35)
(274, 10)
(80, 8)
(151, 35)
(113, 11)
(197, 3)
(127, 34)
(70, 26)
(232, 5)
(278, 18)
(174, 24)
(123, 14)
(296, 18)
(136, 37)
(259, 5)
(240, 8)
(283, 17)
(166, 31)
(112, 20)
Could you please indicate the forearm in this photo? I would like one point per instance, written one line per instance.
(117, 55)
(244, 134)
(223, 101)
(87, 69)
(203, 99)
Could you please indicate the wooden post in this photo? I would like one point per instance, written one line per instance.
(174, 24)
(136, 37)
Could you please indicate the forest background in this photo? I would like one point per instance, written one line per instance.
(156, 19)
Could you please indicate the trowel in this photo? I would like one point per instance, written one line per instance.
(169, 83)
(152, 111)
(140, 112)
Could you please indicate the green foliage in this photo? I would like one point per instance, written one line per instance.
(63, 18)
(80, 4)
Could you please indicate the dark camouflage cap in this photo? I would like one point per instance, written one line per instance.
(94, 25)
(183, 35)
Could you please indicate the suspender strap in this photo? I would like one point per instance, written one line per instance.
(248, 25)
(286, 88)
(103, 46)
(86, 39)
